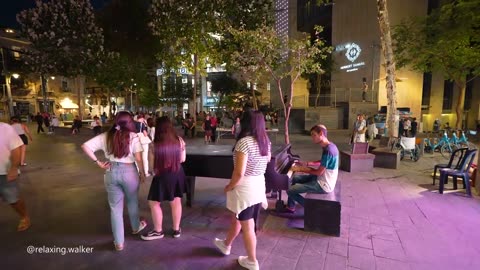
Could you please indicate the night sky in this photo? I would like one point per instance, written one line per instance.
(10, 8)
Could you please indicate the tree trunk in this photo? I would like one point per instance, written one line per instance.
(286, 111)
(195, 85)
(460, 102)
(319, 87)
(386, 40)
(44, 92)
(80, 90)
(109, 95)
(254, 97)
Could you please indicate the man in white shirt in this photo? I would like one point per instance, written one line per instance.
(10, 154)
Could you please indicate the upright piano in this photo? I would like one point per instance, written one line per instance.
(217, 161)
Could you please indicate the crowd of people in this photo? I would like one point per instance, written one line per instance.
(133, 140)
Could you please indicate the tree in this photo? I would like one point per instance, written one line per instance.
(387, 48)
(225, 85)
(64, 40)
(262, 50)
(446, 41)
(175, 91)
(185, 29)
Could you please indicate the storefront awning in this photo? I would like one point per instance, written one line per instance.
(68, 104)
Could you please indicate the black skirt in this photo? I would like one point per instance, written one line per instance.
(24, 138)
(167, 186)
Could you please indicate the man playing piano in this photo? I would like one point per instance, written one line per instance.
(318, 179)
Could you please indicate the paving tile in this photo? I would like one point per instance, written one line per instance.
(308, 262)
(388, 249)
(288, 248)
(380, 220)
(361, 258)
(360, 224)
(276, 261)
(389, 264)
(383, 232)
(360, 239)
(335, 262)
(316, 244)
(338, 247)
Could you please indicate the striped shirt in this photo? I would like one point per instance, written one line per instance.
(256, 163)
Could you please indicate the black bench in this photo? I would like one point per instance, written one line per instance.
(385, 158)
(357, 160)
(323, 211)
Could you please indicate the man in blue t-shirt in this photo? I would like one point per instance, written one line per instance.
(318, 179)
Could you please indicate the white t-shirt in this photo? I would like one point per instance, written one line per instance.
(99, 142)
(9, 140)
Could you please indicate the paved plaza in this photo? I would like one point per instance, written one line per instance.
(391, 219)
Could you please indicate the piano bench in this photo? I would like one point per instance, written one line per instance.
(356, 162)
(322, 212)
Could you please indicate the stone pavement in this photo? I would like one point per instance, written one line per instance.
(391, 219)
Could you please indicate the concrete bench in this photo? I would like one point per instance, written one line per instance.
(385, 158)
(323, 212)
(357, 160)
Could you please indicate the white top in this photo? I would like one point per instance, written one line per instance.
(99, 142)
(251, 187)
(256, 163)
(8, 141)
(18, 128)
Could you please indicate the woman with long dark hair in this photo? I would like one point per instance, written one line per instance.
(168, 184)
(246, 190)
(122, 149)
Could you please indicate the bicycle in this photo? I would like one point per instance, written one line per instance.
(443, 145)
(463, 141)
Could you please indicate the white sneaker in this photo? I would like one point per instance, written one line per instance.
(220, 244)
(245, 263)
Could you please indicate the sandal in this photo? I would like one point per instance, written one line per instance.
(143, 224)
(24, 224)
(118, 247)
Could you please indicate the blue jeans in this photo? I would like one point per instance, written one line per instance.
(122, 181)
(300, 184)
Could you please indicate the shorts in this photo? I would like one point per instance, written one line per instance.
(24, 138)
(8, 190)
(249, 212)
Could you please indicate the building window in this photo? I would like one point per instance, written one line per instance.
(65, 85)
(268, 86)
(447, 95)
(468, 93)
(427, 89)
(16, 52)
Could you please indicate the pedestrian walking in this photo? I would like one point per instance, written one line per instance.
(246, 190)
(22, 131)
(10, 156)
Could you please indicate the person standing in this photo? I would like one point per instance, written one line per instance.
(364, 90)
(142, 131)
(246, 190)
(22, 131)
(214, 123)
(122, 149)
(413, 127)
(39, 120)
(10, 156)
(96, 126)
(359, 129)
(207, 128)
(321, 179)
(236, 128)
(168, 184)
